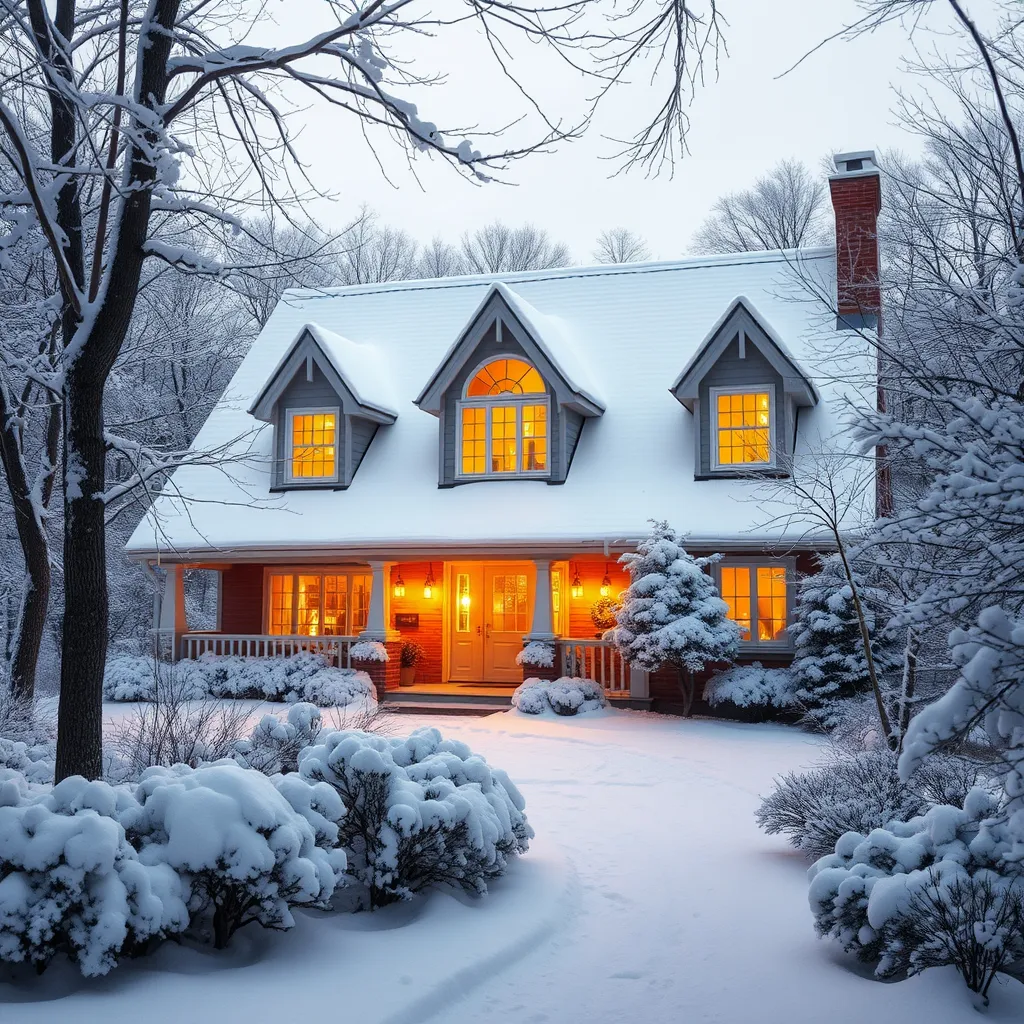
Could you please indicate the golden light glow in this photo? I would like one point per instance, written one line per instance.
(462, 623)
(399, 587)
(464, 601)
(771, 602)
(333, 604)
(505, 376)
(761, 589)
(606, 583)
(429, 583)
(736, 594)
(744, 428)
(577, 586)
(314, 440)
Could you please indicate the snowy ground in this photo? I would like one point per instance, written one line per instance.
(649, 896)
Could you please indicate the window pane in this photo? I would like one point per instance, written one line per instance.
(360, 603)
(736, 594)
(771, 602)
(535, 438)
(307, 619)
(506, 376)
(314, 440)
(464, 602)
(474, 440)
(509, 603)
(335, 605)
(282, 589)
(744, 428)
(503, 439)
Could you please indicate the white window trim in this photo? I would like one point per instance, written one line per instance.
(753, 645)
(489, 403)
(312, 570)
(311, 481)
(741, 389)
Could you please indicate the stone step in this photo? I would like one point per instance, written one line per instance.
(443, 707)
(498, 700)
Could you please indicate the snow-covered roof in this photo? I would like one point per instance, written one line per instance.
(622, 333)
(362, 368)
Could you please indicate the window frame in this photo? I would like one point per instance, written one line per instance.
(784, 643)
(289, 419)
(295, 571)
(741, 389)
(506, 398)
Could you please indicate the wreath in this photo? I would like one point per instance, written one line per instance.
(603, 611)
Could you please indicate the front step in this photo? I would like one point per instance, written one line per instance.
(445, 703)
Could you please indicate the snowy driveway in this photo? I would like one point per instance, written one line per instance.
(649, 897)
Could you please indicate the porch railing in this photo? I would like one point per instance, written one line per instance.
(597, 660)
(337, 649)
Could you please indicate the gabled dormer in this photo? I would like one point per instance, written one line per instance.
(326, 399)
(511, 395)
(744, 390)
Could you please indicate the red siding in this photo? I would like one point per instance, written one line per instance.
(241, 602)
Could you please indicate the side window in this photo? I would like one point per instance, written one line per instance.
(758, 596)
(742, 422)
(317, 604)
(311, 445)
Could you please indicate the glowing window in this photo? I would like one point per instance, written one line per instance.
(743, 428)
(509, 603)
(316, 604)
(506, 376)
(757, 600)
(464, 602)
(314, 446)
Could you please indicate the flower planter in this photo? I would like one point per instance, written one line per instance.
(407, 675)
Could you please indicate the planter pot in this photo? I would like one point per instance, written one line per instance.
(407, 675)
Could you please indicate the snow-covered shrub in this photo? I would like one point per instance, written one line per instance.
(564, 696)
(936, 889)
(368, 650)
(829, 665)
(274, 745)
(857, 793)
(71, 883)
(35, 762)
(243, 851)
(335, 687)
(418, 812)
(33, 722)
(131, 678)
(751, 686)
(538, 654)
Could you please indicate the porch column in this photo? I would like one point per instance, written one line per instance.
(542, 624)
(378, 615)
(639, 683)
(172, 622)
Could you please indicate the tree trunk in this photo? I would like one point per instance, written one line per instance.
(687, 688)
(84, 636)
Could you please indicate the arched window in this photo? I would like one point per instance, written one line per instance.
(503, 421)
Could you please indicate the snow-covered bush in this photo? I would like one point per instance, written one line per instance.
(274, 745)
(937, 889)
(33, 722)
(368, 650)
(537, 654)
(751, 686)
(35, 762)
(671, 613)
(71, 883)
(304, 676)
(857, 793)
(564, 696)
(829, 664)
(418, 812)
(243, 851)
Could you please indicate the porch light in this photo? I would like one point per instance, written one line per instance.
(399, 588)
(606, 583)
(577, 585)
(464, 600)
(429, 583)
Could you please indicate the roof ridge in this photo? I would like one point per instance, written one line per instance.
(564, 273)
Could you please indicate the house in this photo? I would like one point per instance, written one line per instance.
(460, 462)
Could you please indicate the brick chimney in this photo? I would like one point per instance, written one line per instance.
(857, 199)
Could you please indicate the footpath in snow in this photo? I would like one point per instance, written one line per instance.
(648, 896)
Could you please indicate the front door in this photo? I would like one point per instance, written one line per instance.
(491, 611)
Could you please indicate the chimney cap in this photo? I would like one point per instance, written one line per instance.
(849, 165)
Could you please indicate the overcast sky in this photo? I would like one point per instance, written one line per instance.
(840, 98)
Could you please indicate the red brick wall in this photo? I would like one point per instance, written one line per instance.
(241, 600)
(857, 202)
(430, 632)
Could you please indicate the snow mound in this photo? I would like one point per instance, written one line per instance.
(538, 654)
(564, 696)
(751, 686)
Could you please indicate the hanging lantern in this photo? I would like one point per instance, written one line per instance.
(399, 586)
(606, 583)
(577, 585)
(429, 583)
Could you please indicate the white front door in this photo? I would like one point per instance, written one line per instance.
(508, 597)
(467, 627)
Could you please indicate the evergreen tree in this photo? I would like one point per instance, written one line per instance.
(671, 612)
(829, 664)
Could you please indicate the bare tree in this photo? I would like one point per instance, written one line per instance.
(127, 123)
(375, 253)
(439, 258)
(785, 209)
(620, 245)
(498, 249)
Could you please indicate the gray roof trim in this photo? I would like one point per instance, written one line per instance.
(306, 346)
(495, 307)
(741, 313)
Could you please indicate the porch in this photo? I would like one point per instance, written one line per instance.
(469, 619)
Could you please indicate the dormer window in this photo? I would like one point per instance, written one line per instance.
(743, 427)
(503, 421)
(314, 444)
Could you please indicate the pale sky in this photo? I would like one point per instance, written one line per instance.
(840, 98)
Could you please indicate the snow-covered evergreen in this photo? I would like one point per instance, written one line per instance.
(829, 664)
(671, 612)
(751, 686)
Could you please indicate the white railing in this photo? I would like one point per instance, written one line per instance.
(335, 648)
(597, 660)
